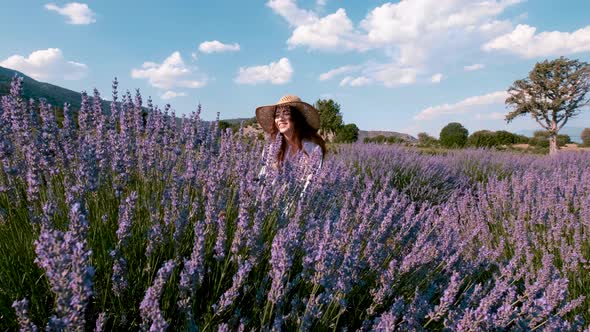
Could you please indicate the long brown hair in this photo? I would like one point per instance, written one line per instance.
(301, 131)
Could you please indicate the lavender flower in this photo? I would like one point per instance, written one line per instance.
(49, 136)
(468, 240)
(151, 314)
(126, 218)
(193, 271)
(282, 254)
(228, 298)
(22, 312)
(447, 299)
(221, 238)
(388, 321)
(119, 277)
(100, 322)
(68, 137)
(155, 236)
(65, 260)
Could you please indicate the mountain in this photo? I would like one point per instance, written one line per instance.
(53, 94)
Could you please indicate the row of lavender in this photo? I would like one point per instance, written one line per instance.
(118, 220)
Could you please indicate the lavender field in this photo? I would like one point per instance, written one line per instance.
(113, 221)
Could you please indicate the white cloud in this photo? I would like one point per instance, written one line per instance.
(194, 56)
(333, 32)
(473, 67)
(409, 32)
(417, 29)
(391, 74)
(436, 78)
(387, 74)
(217, 46)
(46, 64)
(171, 73)
(407, 21)
(172, 94)
(355, 81)
(338, 71)
(471, 104)
(275, 73)
(77, 13)
(524, 41)
(294, 15)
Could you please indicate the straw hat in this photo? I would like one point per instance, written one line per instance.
(266, 114)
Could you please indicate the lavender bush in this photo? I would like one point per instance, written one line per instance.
(130, 219)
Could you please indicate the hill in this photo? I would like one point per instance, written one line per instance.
(55, 95)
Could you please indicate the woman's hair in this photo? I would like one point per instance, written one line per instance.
(301, 131)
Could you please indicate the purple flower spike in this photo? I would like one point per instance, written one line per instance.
(151, 314)
(22, 312)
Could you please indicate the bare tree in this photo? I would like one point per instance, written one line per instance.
(554, 92)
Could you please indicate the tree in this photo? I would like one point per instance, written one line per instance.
(223, 125)
(486, 138)
(521, 139)
(563, 140)
(330, 116)
(585, 136)
(454, 135)
(541, 138)
(504, 137)
(554, 92)
(347, 134)
(382, 139)
(426, 140)
(482, 139)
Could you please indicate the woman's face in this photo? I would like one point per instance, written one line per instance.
(283, 120)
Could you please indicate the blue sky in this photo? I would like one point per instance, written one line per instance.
(407, 66)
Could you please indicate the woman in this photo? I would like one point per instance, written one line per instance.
(297, 123)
